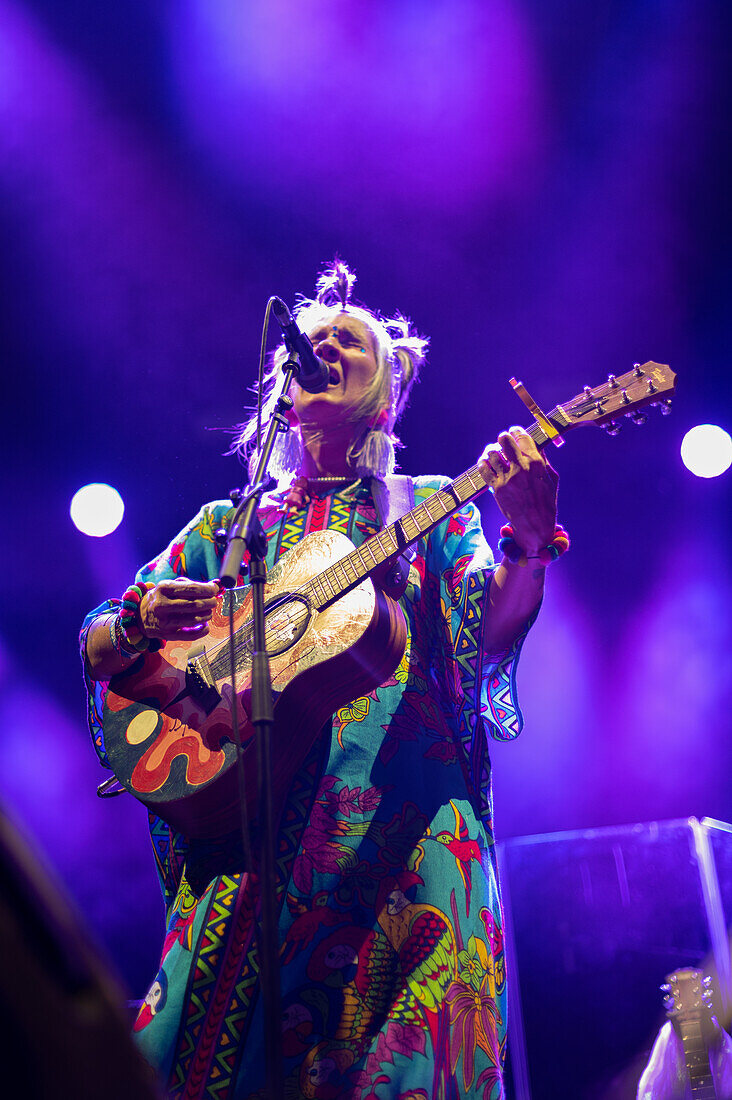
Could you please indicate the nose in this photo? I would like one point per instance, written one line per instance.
(327, 350)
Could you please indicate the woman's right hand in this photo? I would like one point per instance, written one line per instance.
(178, 610)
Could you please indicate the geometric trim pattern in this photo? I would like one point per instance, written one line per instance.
(215, 1019)
(223, 986)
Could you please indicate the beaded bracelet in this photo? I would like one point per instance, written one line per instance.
(507, 545)
(115, 634)
(132, 638)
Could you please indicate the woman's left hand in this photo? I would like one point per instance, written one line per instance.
(525, 487)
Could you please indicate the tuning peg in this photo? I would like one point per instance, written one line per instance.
(637, 417)
(612, 427)
(666, 407)
(706, 981)
(665, 988)
(612, 381)
(637, 370)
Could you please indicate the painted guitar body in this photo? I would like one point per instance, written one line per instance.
(167, 719)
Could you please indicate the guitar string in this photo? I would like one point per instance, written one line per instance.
(416, 516)
(280, 634)
(284, 628)
(245, 633)
(245, 636)
(385, 542)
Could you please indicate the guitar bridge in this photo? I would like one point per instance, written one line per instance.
(200, 681)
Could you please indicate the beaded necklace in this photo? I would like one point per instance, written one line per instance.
(299, 492)
(314, 480)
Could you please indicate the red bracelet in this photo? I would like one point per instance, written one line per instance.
(507, 545)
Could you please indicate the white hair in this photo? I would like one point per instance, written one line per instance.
(399, 352)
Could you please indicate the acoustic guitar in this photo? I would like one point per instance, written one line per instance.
(332, 636)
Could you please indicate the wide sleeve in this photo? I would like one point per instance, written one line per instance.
(483, 685)
(192, 553)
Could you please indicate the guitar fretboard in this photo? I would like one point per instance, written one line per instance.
(696, 1056)
(388, 544)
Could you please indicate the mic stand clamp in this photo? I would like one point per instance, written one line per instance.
(245, 532)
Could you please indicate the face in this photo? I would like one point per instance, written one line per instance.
(348, 347)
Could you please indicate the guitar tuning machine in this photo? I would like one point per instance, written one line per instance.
(612, 427)
(706, 981)
(637, 417)
(665, 988)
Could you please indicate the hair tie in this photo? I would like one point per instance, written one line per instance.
(547, 554)
(335, 284)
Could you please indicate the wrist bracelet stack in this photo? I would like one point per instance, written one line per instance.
(128, 638)
(115, 634)
(507, 545)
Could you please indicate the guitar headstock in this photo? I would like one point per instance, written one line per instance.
(688, 997)
(647, 384)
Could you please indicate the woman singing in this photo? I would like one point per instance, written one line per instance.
(390, 929)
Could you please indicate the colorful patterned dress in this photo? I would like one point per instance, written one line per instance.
(393, 975)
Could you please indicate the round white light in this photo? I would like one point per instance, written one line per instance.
(97, 509)
(706, 450)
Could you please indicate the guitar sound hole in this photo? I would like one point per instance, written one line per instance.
(286, 620)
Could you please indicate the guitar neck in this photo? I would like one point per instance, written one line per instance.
(696, 1057)
(388, 544)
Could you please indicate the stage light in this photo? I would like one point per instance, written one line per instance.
(97, 509)
(706, 450)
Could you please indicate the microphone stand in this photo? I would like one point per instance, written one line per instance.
(246, 532)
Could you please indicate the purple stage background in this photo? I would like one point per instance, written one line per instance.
(542, 187)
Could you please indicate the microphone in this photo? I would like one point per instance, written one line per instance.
(314, 372)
